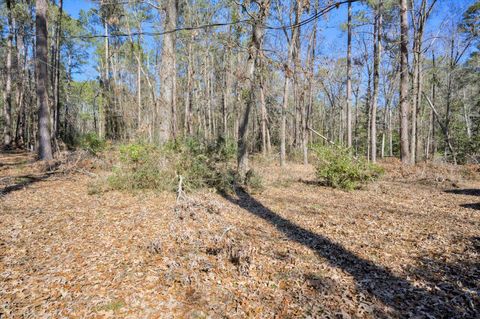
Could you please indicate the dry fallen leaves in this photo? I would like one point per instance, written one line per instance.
(401, 247)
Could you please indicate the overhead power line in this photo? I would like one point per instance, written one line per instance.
(314, 17)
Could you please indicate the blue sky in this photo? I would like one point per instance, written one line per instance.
(73, 7)
(333, 39)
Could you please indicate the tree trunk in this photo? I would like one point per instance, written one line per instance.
(404, 107)
(227, 91)
(418, 28)
(168, 74)
(187, 124)
(8, 105)
(283, 120)
(263, 114)
(413, 136)
(434, 100)
(21, 88)
(56, 83)
(376, 75)
(138, 57)
(106, 88)
(45, 147)
(349, 76)
(252, 79)
(448, 112)
(286, 91)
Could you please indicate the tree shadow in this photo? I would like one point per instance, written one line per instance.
(399, 294)
(467, 191)
(311, 182)
(22, 182)
(457, 276)
(464, 191)
(14, 158)
(475, 206)
(14, 164)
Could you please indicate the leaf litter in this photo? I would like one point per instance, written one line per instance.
(405, 246)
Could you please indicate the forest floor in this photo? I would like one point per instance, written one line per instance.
(407, 245)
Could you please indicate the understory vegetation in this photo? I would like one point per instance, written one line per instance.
(92, 143)
(337, 167)
(189, 164)
(293, 251)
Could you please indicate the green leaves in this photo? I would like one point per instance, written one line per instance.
(92, 143)
(471, 20)
(336, 167)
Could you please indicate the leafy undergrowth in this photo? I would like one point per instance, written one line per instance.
(396, 248)
(197, 165)
(337, 167)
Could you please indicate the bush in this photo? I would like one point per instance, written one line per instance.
(92, 143)
(254, 182)
(144, 166)
(205, 164)
(336, 167)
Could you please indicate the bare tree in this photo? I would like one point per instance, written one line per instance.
(404, 105)
(418, 24)
(288, 74)
(253, 77)
(349, 76)
(376, 75)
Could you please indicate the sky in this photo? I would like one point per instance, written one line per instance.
(331, 36)
(73, 7)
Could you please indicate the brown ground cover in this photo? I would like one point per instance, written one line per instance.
(405, 246)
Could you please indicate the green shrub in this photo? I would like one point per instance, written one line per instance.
(201, 164)
(142, 166)
(336, 167)
(254, 181)
(92, 143)
(135, 153)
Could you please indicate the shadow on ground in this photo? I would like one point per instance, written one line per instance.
(467, 191)
(405, 299)
(464, 191)
(475, 206)
(22, 182)
(456, 275)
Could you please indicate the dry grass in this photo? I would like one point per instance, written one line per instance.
(403, 246)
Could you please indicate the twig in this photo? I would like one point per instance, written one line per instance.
(180, 192)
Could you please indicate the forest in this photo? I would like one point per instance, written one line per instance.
(240, 158)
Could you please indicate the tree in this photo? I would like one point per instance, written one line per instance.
(377, 35)
(56, 85)
(418, 23)
(168, 78)
(404, 105)
(7, 130)
(471, 21)
(253, 78)
(288, 74)
(349, 76)
(41, 70)
(297, 87)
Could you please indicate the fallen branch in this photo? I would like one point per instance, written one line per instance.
(326, 139)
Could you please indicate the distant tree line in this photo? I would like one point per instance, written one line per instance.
(404, 82)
